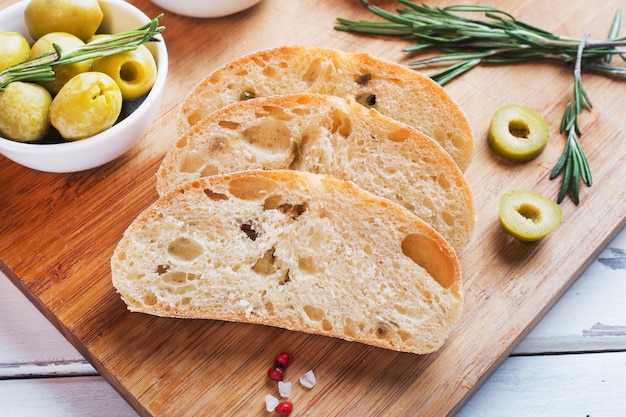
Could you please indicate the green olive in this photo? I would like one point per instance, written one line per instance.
(63, 73)
(79, 17)
(517, 133)
(24, 111)
(134, 71)
(528, 216)
(14, 49)
(88, 104)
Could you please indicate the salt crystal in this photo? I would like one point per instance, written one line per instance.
(284, 388)
(308, 379)
(271, 402)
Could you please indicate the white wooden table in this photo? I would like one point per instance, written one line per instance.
(572, 364)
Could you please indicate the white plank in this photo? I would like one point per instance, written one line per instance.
(555, 386)
(29, 343)
(82, 396)
(548, 386)
(591, 315)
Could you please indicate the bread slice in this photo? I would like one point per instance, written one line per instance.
(333, 136)
(296, 250)
(392, 89)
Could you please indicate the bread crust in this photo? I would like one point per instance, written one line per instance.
(343, 262)
(399, 92)
(333, 136)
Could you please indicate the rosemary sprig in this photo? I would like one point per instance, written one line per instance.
(41, 69)
(498, 39)
(573, 162)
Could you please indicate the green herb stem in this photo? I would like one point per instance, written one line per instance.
(573, 163)
(499, 39)
(41, 68)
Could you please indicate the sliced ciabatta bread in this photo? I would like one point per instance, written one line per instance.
(334, 136)
(296, 250)
(390, 88)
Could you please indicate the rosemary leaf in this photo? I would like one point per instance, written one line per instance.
(41, 68)
(448, 74)
(499, 38)
(614, 31)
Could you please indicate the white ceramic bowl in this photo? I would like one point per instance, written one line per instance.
(205, 8)
(104, 147)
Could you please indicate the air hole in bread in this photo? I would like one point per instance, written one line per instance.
(251, 188)
(178, 289)
(448, 218)
(246, 95)
(296, 148)
(307, 264)
(384, 330)
(350, 327)
(443, 181)
(366, 99)
(301, 111)
(342, 123)
(215, 196)
(194, 118)
(405, 311)
(272, 202)
(269, 307)
(209, 170)
(248, 229)
(265, 265)
(191, 162)
(314, 313)
(293, 210)
(227, 124)
(149, 299)
(363, 79)
(327, 325)
(162, 269)
(269, 134)
(284, 278)
(428, 203)
(270, 72)
(404, 335)
(175, 277)
(415, 246)
(313, 72)
(185, 249)
(277, 112)
(399, 135)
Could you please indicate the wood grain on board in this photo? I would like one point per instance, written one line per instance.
(58, 232)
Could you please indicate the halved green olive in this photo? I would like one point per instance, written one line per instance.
(517, 133)
(528, 216)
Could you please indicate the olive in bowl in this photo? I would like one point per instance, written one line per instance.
(55, 154)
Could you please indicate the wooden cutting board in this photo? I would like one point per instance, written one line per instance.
(58, 232)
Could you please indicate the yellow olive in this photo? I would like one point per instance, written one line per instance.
(134, 71)
(78, 17)
(517, 133)
(88, 104)
(24, 111)
(63, 73)
(528, 216)
(14, 49)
